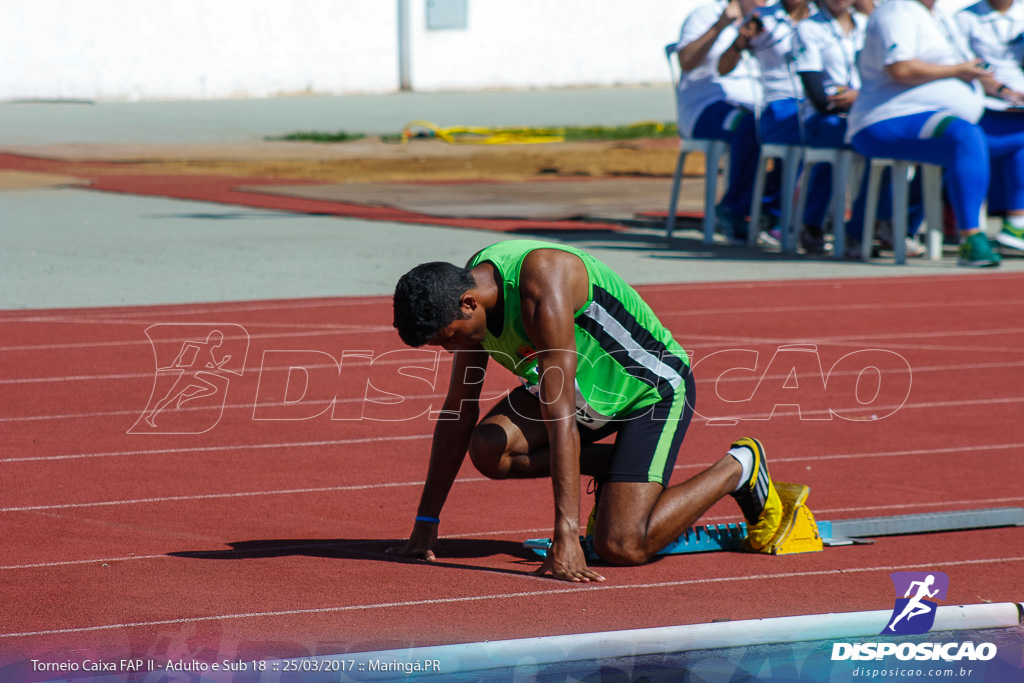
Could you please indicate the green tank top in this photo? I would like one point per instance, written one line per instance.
(627, 359)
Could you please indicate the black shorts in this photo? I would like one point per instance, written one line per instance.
(648, 441)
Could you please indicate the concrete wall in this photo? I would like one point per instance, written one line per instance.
(194, 49)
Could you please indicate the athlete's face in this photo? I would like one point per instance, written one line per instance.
(466, 333)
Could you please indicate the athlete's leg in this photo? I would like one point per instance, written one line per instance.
(636, 514)
(635, 520)
(511, 442)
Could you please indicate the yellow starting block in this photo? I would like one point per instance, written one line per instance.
(798, 532)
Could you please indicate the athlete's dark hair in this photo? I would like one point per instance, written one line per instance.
(427, 300)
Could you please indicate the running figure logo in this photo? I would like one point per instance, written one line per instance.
(915, 612)
(194, 365)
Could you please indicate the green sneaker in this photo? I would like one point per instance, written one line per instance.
(1010, 236)
(976, 252)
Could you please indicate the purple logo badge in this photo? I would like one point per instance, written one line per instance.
(916, 596)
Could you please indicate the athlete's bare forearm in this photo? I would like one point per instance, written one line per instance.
(447, 452)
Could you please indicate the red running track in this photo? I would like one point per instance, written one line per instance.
(265, 537)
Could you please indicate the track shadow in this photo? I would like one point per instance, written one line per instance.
(447, 551)
(687, 243)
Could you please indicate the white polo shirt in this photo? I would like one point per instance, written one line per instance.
(901, 30)
(998, 38)
(822, 44)
(773, 49)
(703, 85)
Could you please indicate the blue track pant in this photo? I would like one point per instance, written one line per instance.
(937, 138)
(780, 124)
(735, 125)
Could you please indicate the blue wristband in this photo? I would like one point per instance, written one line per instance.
(424, 518)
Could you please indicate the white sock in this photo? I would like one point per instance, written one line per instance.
(1016, 221)
(746, 460)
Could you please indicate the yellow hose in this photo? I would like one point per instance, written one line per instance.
(478, 136)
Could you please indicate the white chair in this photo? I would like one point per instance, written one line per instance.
(842, 162)
(902, 172)
(714, 151)
(791, 156)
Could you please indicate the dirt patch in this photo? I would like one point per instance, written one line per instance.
(23, 180)
(374, 161)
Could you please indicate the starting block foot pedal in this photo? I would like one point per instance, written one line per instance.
(798, 532)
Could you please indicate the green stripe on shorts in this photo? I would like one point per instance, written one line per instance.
(656, 472)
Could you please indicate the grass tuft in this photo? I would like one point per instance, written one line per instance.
(645, 129)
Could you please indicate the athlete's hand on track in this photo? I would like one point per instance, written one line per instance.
(420, 543)
(566, 562)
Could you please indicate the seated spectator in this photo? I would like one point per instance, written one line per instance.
(720, 107)
(825, 57)
(920, 100)
(995, 32)
(768, 35)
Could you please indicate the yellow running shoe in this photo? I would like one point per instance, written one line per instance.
(758, 499)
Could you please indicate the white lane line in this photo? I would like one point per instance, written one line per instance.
(866, 409)
(326, 543)
(818, 284)
(342, 442)
(374, 486)
(915, 305)
(355, 329)
(204, 309)
(882, 454)
(247, 324)
(115, 318)
(68, 563)
(145, 341)
(230, 447)
(510, 596)
(232, 406)
(721, 343)
(442, 358)
(238, 494)
(706, 381)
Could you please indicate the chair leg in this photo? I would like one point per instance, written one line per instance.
(805, 183)
(932, 184)
(754, 229)
(840, 181)
(899, 210)
(790, 173)
(677, 179)
(851, 165)
(871, 210)
(715, 151)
